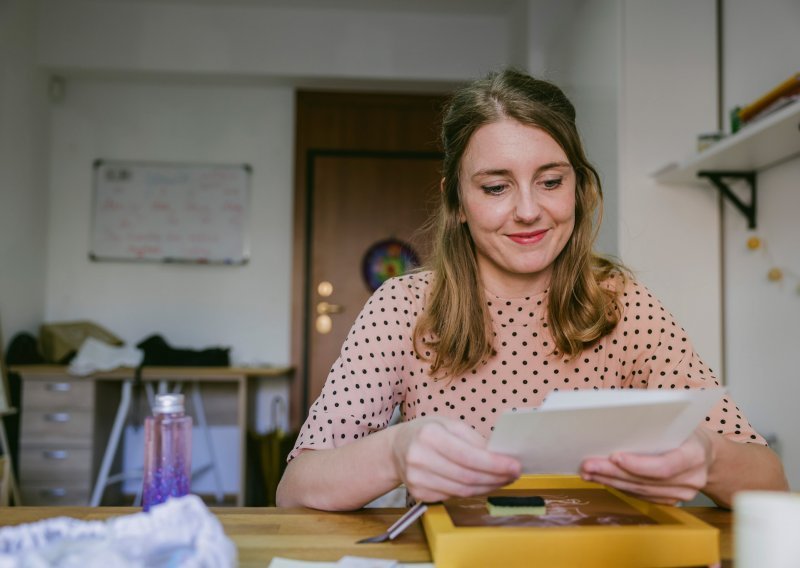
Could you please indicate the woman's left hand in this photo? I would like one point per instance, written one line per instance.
(667, 478)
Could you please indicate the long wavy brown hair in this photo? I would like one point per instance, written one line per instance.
(455, 331)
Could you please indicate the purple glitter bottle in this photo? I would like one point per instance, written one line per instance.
(167, 451)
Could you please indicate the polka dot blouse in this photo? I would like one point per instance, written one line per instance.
(378, 369)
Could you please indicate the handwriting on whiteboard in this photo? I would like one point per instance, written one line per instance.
(170, 212)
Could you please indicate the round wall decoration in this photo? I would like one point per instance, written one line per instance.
(385, 259)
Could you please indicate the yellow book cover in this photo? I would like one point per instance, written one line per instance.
(789, 87)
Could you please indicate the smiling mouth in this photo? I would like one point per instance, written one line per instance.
(527, 238)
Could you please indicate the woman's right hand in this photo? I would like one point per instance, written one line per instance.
(438, 458)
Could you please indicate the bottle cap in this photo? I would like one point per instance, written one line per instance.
(168, 403)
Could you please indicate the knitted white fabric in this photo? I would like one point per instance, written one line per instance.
(181, 532)
(95, 355)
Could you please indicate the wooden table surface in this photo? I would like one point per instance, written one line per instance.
(261, 533)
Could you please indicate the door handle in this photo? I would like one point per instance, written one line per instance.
(326, 308)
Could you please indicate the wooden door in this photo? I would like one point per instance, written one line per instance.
(358, 201)
(371, 172)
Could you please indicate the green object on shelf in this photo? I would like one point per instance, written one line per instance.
(736, 121)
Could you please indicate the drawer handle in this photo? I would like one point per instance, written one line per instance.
(55, 454)
(53, 492)
(59, 387)
(59, 417)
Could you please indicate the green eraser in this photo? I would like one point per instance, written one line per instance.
(507, 506)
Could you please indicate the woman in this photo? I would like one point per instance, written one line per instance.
(515, 305)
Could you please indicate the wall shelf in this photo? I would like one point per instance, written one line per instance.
(768, 142)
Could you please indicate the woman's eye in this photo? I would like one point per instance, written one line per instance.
(552, 183)
(493, 189)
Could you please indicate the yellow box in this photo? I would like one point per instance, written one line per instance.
(575, 531)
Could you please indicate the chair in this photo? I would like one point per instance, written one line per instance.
(4, 488)
(8, 485)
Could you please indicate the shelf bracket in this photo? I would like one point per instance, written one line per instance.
(718, 179)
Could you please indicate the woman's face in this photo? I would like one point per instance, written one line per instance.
(518, 199)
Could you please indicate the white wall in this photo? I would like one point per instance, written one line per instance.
(244, 307)
(253, 39)
(23, 204)
(763, 334)
(670, 235)
(537, 26)
(583, 57)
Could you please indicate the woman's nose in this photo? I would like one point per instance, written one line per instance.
(526, 209)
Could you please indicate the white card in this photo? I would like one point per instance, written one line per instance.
(573, 425)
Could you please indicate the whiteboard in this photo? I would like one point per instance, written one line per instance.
(150, 211)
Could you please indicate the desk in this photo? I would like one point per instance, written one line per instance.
(262, 533)
(68, 421)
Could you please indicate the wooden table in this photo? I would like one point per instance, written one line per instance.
(261, 533)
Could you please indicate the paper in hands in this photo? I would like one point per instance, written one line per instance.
(570, 426)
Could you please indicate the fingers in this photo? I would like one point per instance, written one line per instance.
(690, 460)
(442, 458)
(429, 486)
(660, 466)
(470, 466)
(468, 449)
(666, 478)
(641, 470)
(663, 494)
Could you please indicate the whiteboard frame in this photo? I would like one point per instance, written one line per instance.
(242, 257)
(5, 391)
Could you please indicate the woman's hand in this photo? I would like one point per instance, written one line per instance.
(668, 478)
(438, 458)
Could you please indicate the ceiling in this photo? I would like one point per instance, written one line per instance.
(436, 6)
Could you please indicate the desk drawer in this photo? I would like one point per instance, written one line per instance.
(58, 393)
(55, 494)
(49, 426)
(50, 462)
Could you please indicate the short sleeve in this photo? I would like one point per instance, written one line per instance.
(659, 355)
(365, 384)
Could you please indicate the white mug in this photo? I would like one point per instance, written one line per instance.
(766, 529)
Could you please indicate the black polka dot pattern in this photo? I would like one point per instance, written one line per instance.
(378, 369)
